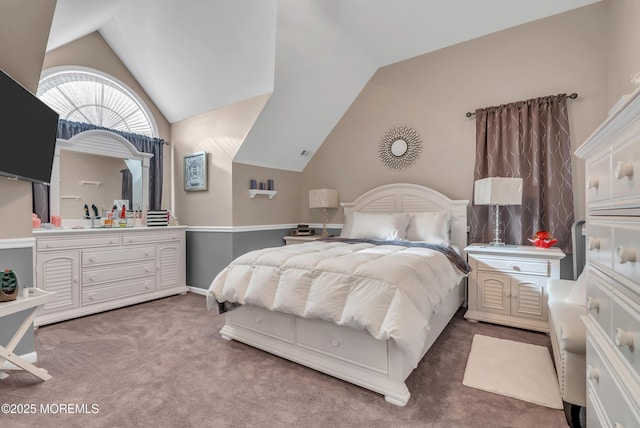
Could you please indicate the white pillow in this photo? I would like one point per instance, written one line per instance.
(429, 226)
(379, 226)
(346, 227)
(578, 293)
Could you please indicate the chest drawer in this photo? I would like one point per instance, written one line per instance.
(598, 180)
(92, 258)
(599, 301)
(625, 329)
(124, 272)
(599, 242)
(626, 249)
(625, 185)
(513, 265)
(346, 344)
(102, 240)
(142, 238)
(617, 408)
(101, 294)
(275, 324)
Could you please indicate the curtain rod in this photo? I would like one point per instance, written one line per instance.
(573, 96)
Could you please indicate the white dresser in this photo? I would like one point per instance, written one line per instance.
(94, 270)
(612, 165)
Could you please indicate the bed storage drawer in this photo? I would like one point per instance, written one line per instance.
(274, 324)
(351, 345)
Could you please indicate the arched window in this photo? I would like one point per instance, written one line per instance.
(82, 94)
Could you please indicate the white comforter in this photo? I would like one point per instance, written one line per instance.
(389, 290)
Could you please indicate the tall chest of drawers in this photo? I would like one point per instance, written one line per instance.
(612, 165)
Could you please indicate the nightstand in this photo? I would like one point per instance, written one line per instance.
(508, 285)
(299, 239)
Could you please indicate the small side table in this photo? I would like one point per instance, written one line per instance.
(299, 239)
(33, 298)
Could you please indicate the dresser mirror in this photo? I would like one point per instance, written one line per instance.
(97, 167)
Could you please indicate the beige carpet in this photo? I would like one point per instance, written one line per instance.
(514, 369)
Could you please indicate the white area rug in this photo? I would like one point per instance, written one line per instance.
(515, 369)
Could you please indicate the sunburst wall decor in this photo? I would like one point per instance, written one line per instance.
(400, 147)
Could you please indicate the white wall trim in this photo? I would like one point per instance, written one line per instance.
(197, 290)
(8, 244)
(257, 228)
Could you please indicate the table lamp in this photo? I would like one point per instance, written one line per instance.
(323, 198)
(498, 191)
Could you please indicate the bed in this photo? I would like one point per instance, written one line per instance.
(374, 349)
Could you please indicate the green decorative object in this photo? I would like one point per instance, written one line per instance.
(8, 286)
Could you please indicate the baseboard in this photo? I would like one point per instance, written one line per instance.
(197, 290)
(31, 357)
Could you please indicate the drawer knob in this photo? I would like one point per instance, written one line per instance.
(626, 255)
(623, 338)
(593, 373)
(92, 259)
(258, 320)
(592, 182)
(92, 297)
(514, 267)
(147, 253)
(594, 243)
(623, 169)
(147, 269)
(92, 278)
(146, 287)
(335, 343)
(593, 304)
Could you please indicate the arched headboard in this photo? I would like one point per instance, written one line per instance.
(406, 197)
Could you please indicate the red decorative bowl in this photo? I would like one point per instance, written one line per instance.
(543, 243)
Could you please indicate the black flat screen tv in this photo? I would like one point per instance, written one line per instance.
(28, 129)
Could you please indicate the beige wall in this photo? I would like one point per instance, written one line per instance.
(219, 132)
(93, 51)
(432, 93)
(282, 209)
(623, 48)
(24, 30)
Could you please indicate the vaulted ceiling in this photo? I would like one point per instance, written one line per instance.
(313, 56)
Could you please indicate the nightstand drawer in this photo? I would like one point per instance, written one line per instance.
(514, 265)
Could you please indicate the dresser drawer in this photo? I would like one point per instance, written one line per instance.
(142, 238)
(101, 294)
(626, 249)
(92, 258)
(274, 324)
(625, 186)
(598, 180)
(599, 301)
(625, 329)
(351, 345)
(607, 389)
(514, 265)
(122, 272)
(57, 243)
(599, 242)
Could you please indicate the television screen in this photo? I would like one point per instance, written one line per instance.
(28, 133)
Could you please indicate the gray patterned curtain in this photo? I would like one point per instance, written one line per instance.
(527, 139)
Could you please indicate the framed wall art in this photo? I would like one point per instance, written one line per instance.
(195, 171)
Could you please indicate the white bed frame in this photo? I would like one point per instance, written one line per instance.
(343, 352)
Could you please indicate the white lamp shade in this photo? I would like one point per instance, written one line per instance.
(323, 198)
(498, 191)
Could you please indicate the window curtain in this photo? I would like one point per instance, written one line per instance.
(527, 139)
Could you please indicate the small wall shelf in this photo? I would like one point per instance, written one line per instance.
(76, 197)
(91, 183)
(254, 192)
